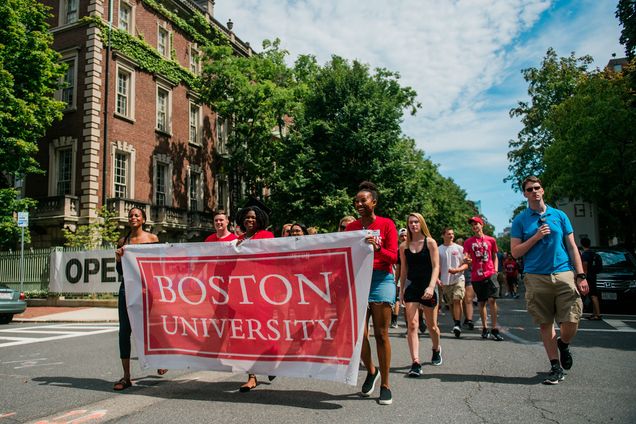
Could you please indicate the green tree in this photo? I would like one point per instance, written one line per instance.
(257, 93)
(102, 232)
(548, 86)
(594, 151)
(626, 14)
(29, 75)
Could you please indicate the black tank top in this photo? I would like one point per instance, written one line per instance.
(420, 267)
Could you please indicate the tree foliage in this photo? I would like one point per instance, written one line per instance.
(626, 14)
(29, 75)
(312, 133)
(593, 155)
(102, 232)
(548, 86)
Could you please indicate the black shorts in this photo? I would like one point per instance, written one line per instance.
(415, 296)
(512, 281)
(486, 289)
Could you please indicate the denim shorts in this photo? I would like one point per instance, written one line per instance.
(382, 287)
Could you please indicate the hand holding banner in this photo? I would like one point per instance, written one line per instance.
(293, 306)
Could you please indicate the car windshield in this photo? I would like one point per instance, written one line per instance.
(617, 258)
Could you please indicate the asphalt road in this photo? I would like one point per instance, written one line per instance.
(70, 379)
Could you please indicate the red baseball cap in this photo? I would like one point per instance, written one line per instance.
(476, 219)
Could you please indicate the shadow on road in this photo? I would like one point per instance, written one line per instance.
(225, 391)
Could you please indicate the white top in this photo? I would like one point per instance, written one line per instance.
(450, 257)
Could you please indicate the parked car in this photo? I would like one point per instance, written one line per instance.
(11, 302)
(616, 282)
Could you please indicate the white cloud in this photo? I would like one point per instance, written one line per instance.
(462, 57)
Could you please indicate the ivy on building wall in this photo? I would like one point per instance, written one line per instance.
(196, 26)
(147, 57)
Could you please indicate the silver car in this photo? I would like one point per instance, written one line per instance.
(11, 302)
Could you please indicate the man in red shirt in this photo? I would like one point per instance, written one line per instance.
(482, 250)
(511, 268)
(221, 222)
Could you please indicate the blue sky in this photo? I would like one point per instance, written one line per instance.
(463, 57)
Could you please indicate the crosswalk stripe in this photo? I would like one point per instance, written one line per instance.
(55, 332)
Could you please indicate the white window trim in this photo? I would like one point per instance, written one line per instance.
(161, 26)
(131, 29)
(131, 89)
(66, 56)
(165, 160)
(62, 15)
(195, 59)
(167, 88)
(54, 147)
(222, 203)
(129, 149)
(198, 141)
(196, 169)
(222, 137)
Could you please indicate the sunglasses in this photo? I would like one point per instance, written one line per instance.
(533, 188)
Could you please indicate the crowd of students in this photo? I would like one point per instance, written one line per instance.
(412, 271)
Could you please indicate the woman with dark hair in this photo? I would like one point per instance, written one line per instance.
(136, 235)
(383, 237)
(298, 229)
(419, 257)
(253, 220)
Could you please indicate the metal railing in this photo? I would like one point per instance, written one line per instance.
(36, 267)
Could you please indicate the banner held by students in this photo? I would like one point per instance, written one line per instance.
(293, 306)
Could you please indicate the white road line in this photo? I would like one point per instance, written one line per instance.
(57, 333)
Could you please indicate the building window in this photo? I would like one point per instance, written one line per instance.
(68, 92)
(221, 134)
(125, 16)
(618, 68)
(163, 42)
(195, 124)
(64, 171)
(62, 152)
(121, 175)
(163, 109)
(194, 59)
(195, 190)
(163, 180)
(222, 193)
(122, 170)
(69, 11)
(125, 91)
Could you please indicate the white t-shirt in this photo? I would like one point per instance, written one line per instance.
(450, 257)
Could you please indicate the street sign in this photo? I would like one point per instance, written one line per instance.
(23, 219)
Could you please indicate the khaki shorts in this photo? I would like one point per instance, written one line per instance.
(455, 291)
(552, 298)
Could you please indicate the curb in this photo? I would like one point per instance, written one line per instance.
(73, 303)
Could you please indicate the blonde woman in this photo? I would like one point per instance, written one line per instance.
(418, 280)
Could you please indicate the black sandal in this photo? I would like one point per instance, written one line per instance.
(247, 387)
(122, 384)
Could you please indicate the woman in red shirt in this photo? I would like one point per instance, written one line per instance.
(383, 238)
(253, 221)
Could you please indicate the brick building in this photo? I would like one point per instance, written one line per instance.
(133, 132)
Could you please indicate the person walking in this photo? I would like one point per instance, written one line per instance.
(221, 222)
(482, 250)
(253, 221)
(554, 277)
(398, 268)
(136, 235)
(383, 237)
(451, 274)
(511, 268)
(592, 265)
(418, 282)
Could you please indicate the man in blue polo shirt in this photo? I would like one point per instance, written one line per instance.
(554, 277)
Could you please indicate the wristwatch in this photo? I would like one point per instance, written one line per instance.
(581, 276)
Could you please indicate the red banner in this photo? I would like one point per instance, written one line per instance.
(241, 308)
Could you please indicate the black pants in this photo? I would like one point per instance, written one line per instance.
(124, 325)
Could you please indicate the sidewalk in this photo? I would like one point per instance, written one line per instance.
(67, 314)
